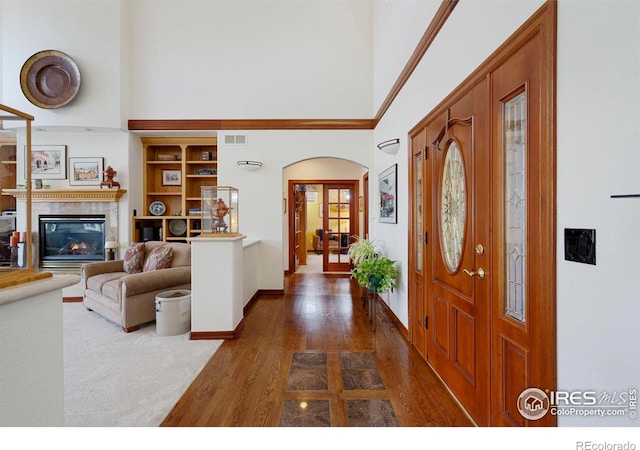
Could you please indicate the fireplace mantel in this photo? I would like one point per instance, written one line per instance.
(68, 195)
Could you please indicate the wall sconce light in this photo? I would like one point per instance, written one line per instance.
(110, 247)
(249, 166)
(391, 147)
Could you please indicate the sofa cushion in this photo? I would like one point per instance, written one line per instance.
(96, 283)
(134, 257)
(158, 258)
(181, 254)
(111, 289)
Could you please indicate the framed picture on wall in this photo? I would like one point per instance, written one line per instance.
(171, 178)
(48, 162)
(85, 171)
(388, 193)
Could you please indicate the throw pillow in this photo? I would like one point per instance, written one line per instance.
(158, 258)
(134, 257)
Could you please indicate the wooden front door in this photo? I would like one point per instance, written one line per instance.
(483, 210)
(457, 281)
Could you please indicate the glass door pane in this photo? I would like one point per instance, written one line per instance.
(338, 226)
(515, 189)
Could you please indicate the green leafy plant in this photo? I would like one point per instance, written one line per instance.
(377, 274)
(362, 249)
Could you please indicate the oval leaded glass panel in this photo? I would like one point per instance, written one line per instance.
(453, 207)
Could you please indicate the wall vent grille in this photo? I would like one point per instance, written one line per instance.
(235, 139)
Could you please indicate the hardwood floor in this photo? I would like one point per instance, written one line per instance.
(245, 382)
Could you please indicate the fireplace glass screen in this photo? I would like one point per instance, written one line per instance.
(69, 241)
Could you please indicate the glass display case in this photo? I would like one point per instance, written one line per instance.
(219, 211)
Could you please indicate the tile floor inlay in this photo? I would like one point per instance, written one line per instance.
(346, 385)
(308, 372)
(359, 371)
(371, 413)
(305, 413)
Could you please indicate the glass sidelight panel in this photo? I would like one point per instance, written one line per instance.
(417, 164)
(515, 189)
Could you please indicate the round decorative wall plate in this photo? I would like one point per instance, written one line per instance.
(157, 208)
(50, 79)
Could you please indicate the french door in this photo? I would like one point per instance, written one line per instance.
(334, 230)
(339, 225)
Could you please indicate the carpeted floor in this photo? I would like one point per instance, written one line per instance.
(118, 379)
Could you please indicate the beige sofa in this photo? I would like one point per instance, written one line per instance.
(129, 299)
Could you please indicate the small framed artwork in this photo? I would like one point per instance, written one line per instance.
(85, 171)
(388, 188)
(48, 162)
(171, 178)
(312, 197)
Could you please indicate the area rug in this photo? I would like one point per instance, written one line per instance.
(118, 379)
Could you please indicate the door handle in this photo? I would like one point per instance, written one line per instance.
(479, 273)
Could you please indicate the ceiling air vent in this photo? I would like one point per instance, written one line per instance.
(235, 139)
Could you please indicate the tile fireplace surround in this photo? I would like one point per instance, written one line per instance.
(70, 201)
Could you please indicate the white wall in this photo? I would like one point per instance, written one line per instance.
(89, 32)
(1, 46)
(597, 139)
(251, 59)
(397, 29)
(459, 48)
(261, 214)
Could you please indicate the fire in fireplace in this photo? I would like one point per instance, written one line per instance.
(68, 241)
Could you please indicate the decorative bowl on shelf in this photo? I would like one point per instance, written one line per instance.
(167, 157)
(178, 227)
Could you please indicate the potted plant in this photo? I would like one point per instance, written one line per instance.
(377, 274)
(362, 249)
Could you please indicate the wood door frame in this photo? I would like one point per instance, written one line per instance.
(542, 24)
(416, 310)
(365, 206)
(291, 203)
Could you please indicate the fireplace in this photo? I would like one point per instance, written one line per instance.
(69, 241)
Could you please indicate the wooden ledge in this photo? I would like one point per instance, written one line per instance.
(68, 195)
(16, 277)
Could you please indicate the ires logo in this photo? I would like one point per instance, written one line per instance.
(533, 403)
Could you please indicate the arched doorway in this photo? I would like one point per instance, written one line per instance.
(324, 210)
